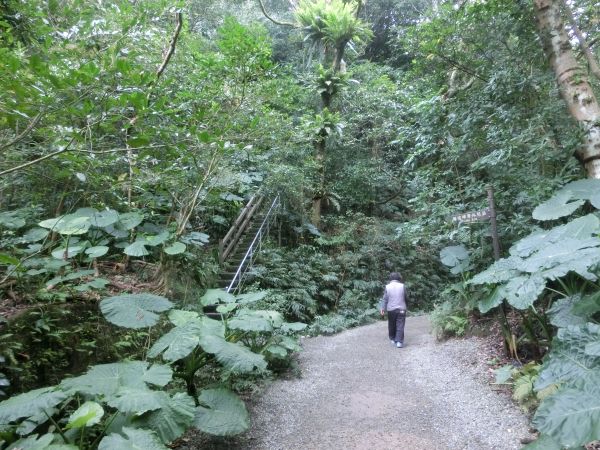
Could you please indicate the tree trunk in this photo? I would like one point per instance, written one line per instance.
(317, 202)
(338, 56)
(572, 81)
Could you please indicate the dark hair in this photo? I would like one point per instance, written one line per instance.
(395, 276)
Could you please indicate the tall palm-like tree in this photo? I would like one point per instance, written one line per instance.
(331, 25)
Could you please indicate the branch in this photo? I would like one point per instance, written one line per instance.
(453, 89)
(25, 132)
(117, 150)
(188, 210)
(462, 68)
(359, 8)
(589, 56)
(275, 21)
(172, 44)
(35, 161)
(397, 194)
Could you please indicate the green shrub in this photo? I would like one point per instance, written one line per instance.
(448, 319)
(334, 323)
(138, 402)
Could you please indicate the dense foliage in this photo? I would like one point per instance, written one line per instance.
(132, 133)
(111, 401)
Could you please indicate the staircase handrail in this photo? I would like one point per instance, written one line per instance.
(228, 243)
(249, 255)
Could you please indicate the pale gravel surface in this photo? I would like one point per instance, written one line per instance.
(356, 391)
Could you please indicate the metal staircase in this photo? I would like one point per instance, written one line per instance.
(242, 243)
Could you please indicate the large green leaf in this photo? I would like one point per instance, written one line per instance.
(212, 327)
(128, 221)
(557, 206)
(492, 300)
(593, 348)
(251, 297)
(9, 260)
(571, 416)
(503, 374)
(561, 314)
(521, 292)
(221, 413)
(275, 317)
(234, 357)
(250, 322)
(179, 342)
(137, 248)
(70, 224)
(581, 189)
(134, 310)
(30, 404)
(568, 361)
(456, 257)
(156, 239)
(136, 401)
(560, 204)
(97, 251)
(157, 374)
(134, 439)
(104, 218)
(174, 417)
(580, 228)
(181, 317)
(530, 244)
(28, 426)
(226, 308)
(88, 414)
(277, 351)
(35, 235)
(502, 270)
(293, 327)
(175, 249)
(289, 343)
(215, 296)
(108, 379)
(544, 256)
(587, 306)
(570, 254)
(11, 220)
(67, 252)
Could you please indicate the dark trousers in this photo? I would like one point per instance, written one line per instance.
(396, 320)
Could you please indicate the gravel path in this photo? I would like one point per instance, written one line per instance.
(357, 391)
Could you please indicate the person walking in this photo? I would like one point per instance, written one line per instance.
(394, 302)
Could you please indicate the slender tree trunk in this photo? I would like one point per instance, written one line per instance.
(338, 57)
(317, 203)
(572, 80)
(585, 48)
(321, 141)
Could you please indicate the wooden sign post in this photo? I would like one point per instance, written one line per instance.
(493, 224)
(488, 213)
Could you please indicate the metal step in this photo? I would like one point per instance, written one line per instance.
(236, 254)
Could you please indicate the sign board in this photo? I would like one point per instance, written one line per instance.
(483, 215)
(474, 216)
